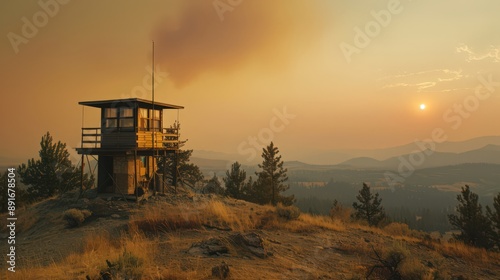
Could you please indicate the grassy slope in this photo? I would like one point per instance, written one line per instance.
(153, 239)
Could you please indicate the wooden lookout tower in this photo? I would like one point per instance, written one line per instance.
(128, 142)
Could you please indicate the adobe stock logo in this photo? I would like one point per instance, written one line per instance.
(221, 6)
(254, 145)
(30, 28)
(363, 37)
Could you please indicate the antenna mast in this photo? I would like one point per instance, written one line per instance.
(153, 93)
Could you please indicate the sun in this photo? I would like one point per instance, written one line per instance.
(422, 106)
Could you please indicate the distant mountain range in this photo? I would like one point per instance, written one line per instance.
(340, 156)
(427, 159)
(477, 150)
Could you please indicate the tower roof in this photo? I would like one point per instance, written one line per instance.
(129, 102)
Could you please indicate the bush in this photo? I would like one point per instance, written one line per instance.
(339, 212)
(397, 229)
(288, 212)
(75, 217)
(128, 266)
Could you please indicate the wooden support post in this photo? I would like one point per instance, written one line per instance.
(164, 173)
(136, 191)
(174, 172)
(81, 176)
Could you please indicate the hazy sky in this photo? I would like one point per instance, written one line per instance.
(310, 75)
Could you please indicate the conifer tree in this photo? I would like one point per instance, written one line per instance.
(369, 207)
(270, 180)
(235, 181)
(52, 173)
(474, 227)
(494, 218)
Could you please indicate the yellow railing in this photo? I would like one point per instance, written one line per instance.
(168, 138)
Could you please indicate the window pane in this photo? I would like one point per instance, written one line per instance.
(110, 123)
(128, 122)
(110, 112)
(143, 113)
(143, 124)
(126, 112)
(156, 114)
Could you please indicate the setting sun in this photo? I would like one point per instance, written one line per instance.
(422, 106)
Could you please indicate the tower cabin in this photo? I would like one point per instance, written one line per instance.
(128, 142)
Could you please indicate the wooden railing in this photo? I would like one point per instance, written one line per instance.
(168, 138)
(91, 137)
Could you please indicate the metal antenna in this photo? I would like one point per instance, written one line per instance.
(153, 92)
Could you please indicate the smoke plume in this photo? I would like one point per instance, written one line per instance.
(214, 36)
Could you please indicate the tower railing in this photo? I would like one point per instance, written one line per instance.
(167, 138)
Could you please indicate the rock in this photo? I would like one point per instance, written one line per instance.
(210, 247)
(251, 242)
(115, 216)
(221, 271)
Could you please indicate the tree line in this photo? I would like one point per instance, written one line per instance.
(53, 173)
(267, 188)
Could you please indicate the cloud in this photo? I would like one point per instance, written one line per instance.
(269, 33)
(436, 80)
(492, 54)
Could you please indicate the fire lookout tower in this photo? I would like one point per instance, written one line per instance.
(128, 143)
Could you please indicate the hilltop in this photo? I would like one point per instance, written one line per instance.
(184, 236)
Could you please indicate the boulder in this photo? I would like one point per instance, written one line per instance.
(209, 247)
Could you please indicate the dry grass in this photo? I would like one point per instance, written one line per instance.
(466, 252)
(321, 222)
(397, 229)
(217, 213)
(26, 220)
(96, 249)
(212, 214)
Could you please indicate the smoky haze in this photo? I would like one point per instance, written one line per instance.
(200, 39)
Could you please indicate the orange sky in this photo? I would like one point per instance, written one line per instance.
(351, 73)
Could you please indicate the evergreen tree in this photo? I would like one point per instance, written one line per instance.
(248, 192)
(235, 181)
(213, 186)
(494, 218)
(270, 181)
(52, 173)
(369, 207)
(474, 227)
(188, 173)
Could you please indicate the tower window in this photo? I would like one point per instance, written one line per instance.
(121, 119)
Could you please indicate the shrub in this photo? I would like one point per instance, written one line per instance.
(397, 229)
(75, 217)
(288, 212)
(389, 261)
(339, 212)
(128, 266)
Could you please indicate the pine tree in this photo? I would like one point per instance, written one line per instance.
(474, 227)
(52, 173)
(213, 186)
(270, 181)
(369, 207)
(494, 218)
(188, 173)
(235, 181)
(248, 192)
